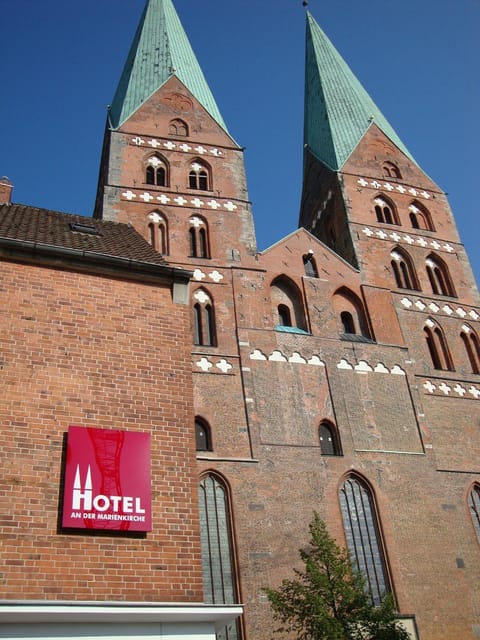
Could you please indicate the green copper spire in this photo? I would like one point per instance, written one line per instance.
(338, 110)
(159, 50)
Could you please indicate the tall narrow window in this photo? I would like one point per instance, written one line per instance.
(439, 277)
(385, 211)
(348, 323)
(198, 238)
(474, 508)
(363, 536)
(284, 317)
(219, 582)
(204, 332)
(158, 232)
(310, 265)
(420, 217)
(403, 270)
(199, 176)
(437, 346)
(156, 171)
(329, 441)
(349, 309)
(472, 347)
(203, 436)
(287, 304)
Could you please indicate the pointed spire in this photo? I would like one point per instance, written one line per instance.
(338, 110)
(159, 50)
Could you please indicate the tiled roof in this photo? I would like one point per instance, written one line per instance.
(46, 228)
(338, 110)
(159, 50)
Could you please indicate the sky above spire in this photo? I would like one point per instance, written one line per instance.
(338, 110)
(159, 50)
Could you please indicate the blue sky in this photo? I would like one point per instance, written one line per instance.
(418, 59)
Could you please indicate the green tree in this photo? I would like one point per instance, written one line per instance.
(327, 600)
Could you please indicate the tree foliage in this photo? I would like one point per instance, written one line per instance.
(327, 599)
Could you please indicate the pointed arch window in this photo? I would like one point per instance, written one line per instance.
(158, 232)
(198, 238)
(178, 127)
(310, 265)
(287, 304)
(439, 277)
(474, 508)
(363, 536)
(472, 347)
(390, 170)
(329, 439)
(437, 346)
(385, 211)
(218, 553)
(156, 172)
(403, 270)
(420, 217)
(204, 330)
(203, 435)
(199, 176)
(349, 309)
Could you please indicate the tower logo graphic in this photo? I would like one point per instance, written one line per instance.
(107, 480)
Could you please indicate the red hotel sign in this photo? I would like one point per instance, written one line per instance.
(107, 480)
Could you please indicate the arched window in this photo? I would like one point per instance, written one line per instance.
(439, 277)
(310, 265)
(218, 554)
(204, 331)
(420, 217)
(199, 176)
(363, 536)
(329, 440)
(403, 270)
(156, 171)
(474, 508)
(472, 347)
(158, 232)
(203, 435)
(349, 310)
(385, 211)
(287, 304)
(390, 170)
(198, 238)
(178, 127)
(437, 346)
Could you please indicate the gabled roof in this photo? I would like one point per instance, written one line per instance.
(160, 49)
(30, 228)
(338, 110)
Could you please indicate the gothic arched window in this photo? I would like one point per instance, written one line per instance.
(178, 127)
(204, 330)
(329, 440)
(474, 508)
(437, 346)
(198, 238)
(363, 536)
(472, 347)
(218, 554)
(199, 176)
(350, 311)
(439, 276)
(420, 217)
(310, 265)
(287, 304)
(158, 232)
(390, 170)
(403, 270)
(203, 435)
(156, 172)
(385, 211)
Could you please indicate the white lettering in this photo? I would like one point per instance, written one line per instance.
(127, 505)
(101, 503)
(138, 506)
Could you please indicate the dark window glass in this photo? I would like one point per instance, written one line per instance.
(328, 440)
(474, 507)
(284, 316)
(347, 322)
(202, 436)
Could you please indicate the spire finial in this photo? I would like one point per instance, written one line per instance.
(305, 3)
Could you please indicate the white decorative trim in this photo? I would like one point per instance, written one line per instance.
(433, 307)
(206, 364)
(184, 147)
(399, 237)
(445, 388)
(294, 358)
(363, 366)
(375, 184)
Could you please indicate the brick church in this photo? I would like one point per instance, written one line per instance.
(177, 404)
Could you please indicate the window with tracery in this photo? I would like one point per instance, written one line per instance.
(437, 346)
(156, 172)
(385, 211)
(420, 217)
(204, 330)
(403, 270)
(178, 127)
(158, 232)
(390, 170)
(474, 508)
(472, 347)
(363, 536)
(199, 176)
(198, 238)
(439, 277)
(218, 554)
